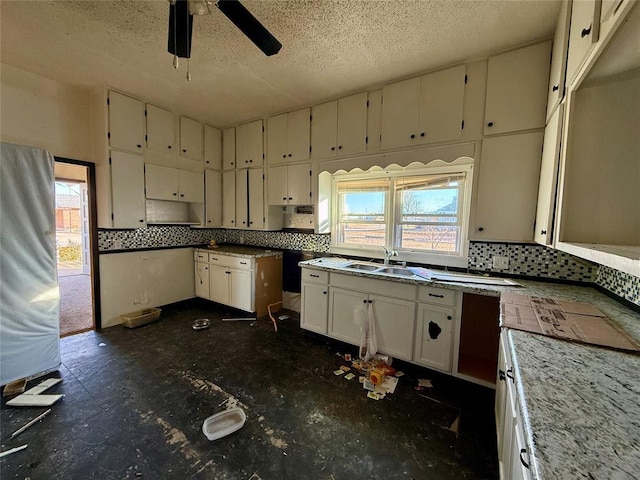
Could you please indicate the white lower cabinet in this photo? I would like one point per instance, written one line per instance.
(241, 283)
(395, 322)
(434, 335)
(315, 302)
(342, 303)
(218, 284)
(202, 279)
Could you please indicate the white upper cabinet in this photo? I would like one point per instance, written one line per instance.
(191, 186)
(127, 185)
(161, 132)
(166, 183)
(290, 185)
(229, 199)
(548, 178)
(190, 139)
(288, 137)
(229, 148)
(508, 188)
(583, 34)
(126, 123)
(212, 147)
(213, 198)
(249, 150)
(425, 109)
(559, 59)
(340, 127)
(517, 89)
(256, 198)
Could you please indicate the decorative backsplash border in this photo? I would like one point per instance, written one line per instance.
(531, 260)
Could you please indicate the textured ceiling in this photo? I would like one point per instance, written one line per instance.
(330, 47)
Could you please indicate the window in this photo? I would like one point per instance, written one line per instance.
(421, 215)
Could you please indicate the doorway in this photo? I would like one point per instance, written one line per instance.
(75, 240)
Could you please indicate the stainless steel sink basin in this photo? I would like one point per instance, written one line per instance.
(362, 266)
(403, 272)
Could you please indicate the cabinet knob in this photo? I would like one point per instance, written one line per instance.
(182, 194)
(422, 134)
(333, 148)
(184, 150)
(324, 293)
(339, 147)
(175, 194)
(364, 301)
(555, 88)
(543, 232)
(449, 317)
(250, 223)
(233, 221)
(284, 198)
(524, 464)
(289, 155)
(141, 221)
(413, 136)
(231, 163)
(139, 146)
(208, 221)
(250, 161)
(284, 155)
(169, 147)
(490, 124)
(244, 223)
(585, 32)
(481, 229)
(290, 198)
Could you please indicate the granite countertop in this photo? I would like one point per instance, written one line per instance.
(579, 404)
(242, 251)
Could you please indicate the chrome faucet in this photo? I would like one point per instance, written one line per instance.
(388, 254)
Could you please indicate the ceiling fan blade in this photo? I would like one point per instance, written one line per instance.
(250, 26)
(180, 29)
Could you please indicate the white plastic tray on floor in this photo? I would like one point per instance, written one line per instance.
(223, 423)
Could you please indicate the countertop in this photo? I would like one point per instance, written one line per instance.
(580, 404)
(242, 251)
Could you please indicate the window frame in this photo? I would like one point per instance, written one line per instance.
(393, 216)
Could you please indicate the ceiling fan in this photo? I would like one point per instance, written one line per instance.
(181, 14)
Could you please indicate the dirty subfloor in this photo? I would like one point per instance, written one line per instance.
(135, 401)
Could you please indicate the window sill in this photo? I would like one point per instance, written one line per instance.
(434, 259)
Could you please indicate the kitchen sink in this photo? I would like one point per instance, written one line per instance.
(362, 266)
(403, 272)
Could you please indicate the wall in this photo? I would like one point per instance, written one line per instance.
(43, 113)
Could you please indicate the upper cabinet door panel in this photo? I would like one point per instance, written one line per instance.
(298, 134)
(161, 183)
(190, 186)
(161, 133)
(190, 139)
(583, 35)
(400, 107)
(277, 185)
(277, 139)
(127, 184)
(324, 130)
(441, 105)
(517, 89)
(213, 197)
(126, 123)
(249, 149)
(352, 124)
(299, 184)
(256, 198)
(229, 148)
(212, 147)
(559, 59)
(229, 198)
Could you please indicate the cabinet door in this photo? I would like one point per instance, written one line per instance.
(548, 179)
(555, 92)
(508, 187)
(315, 300)
(249, 152)
(229, 199)
(219, 284)
(241, 289)
(441, 102)
(400, 107)
(256, 198)
(277, 139)
(517, 78)
(298, 135)
(342, 303)
(519, 454)
(126, 122)
(395, 322)
(583, 34)
(434, 337)
(161, 183)
(501, 391)
(191, 186)
(242, 200)
(299, 184)
(161, 132)
(127, 190)
(352, 124)
(277, 186)
(212, 148)
(202, 280)
(213, 198)
(324, 130)
(229, 148)
(190, 139)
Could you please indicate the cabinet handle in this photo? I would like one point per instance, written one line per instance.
(413, 136)
(422, 134)
(228, 273)
(436, 295)
(555, 88)
(314, 276)
(501, 375)
(490, 124)
(284, 198)
(290, 198)
(369, 301)
(481, 229)
(585, 32)
(524, 464)
(243, 263)
(543, 232)
(212, 258)
(509, 375)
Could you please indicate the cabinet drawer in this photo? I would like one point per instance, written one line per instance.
(374, 286)
(241, 263)
(199, 256)
(436, 296)
(315, 276)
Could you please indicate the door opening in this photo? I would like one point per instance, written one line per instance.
(75, 240)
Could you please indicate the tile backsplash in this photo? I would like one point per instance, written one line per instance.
(530, 260)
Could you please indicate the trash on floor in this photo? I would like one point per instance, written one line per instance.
(13, 450)
(338, 372)
(423, 382)
(243, 319)
(345, 368)
(102, 344)
(42, 386)
(140, 317)
(25, 400)
(14, 388)
(349, 376)
(35, 420)
(375, 395)
(201, 324)
(224, 423)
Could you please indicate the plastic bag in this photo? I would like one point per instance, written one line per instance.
(363, 317)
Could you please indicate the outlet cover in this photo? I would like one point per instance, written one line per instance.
(500, 263)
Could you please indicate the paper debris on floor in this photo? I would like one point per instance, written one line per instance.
(42, 386)
(338, 372)
(347, 357)
(399, 374)
(361, 379)
(34, 400)
(389, 384)
(423, 382)
(375, 395)
(367, 385)
(14, 387)
(349, 376)
(344, 368)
